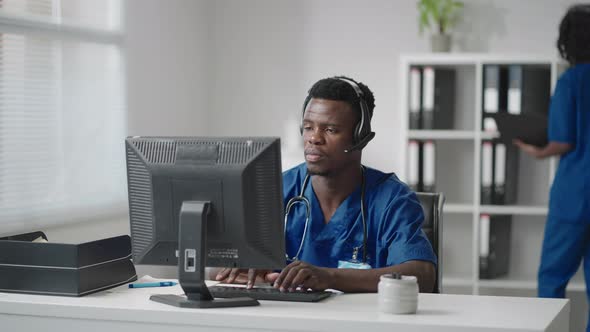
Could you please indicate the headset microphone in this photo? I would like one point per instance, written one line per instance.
(362, 143)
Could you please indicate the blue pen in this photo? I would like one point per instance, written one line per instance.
(153, 284)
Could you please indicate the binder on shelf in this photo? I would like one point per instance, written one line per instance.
(428, 87)
(505, 174)
(494, 95)
(414, 165)
(528, 104)
(499, 173)
(415, 97)
(514, 103)
(484, 242)
(494, 245)
(535, 87)
(438, 98)
(429, 167)
(487, 154)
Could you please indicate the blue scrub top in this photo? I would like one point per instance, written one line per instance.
(569, 122)
(393, 215)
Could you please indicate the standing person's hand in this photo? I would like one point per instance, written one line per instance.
(528, 148)
(243, 276)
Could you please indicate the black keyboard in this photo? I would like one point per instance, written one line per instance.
(268, 293)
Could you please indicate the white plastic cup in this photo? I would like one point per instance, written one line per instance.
(398, 296)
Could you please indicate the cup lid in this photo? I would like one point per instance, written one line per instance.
(398, 277)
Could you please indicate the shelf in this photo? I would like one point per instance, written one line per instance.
(457, 282)
(514, 210)
(488, 135)
(508, 283)
(476, 58)
(497, 209)
(450, 134)
(458, 208)
(524, 284)
(442, 134)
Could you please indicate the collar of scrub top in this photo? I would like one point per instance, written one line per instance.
(301, 199)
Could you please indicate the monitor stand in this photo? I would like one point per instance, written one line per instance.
(192, 234)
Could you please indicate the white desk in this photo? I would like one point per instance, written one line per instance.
(129, 310)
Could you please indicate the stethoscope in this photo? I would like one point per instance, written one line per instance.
(301, 199)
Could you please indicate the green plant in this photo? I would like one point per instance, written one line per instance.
(442, 14)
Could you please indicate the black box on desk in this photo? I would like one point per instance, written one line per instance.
(65, 269)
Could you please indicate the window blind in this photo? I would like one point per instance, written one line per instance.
(62, 114)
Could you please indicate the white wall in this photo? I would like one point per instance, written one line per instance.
(167, 66)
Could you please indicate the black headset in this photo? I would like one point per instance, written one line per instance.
(362, 134)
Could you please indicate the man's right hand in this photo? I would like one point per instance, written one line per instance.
(248, 277)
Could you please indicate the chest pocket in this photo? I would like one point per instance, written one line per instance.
(352, 250)
(328, 253)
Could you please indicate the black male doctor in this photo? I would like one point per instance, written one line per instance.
(346, 224)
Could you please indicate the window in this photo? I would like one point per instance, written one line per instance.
(62, 112)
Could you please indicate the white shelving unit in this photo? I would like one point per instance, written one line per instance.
(458, 208)
(458, 164)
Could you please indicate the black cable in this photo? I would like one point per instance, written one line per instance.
(363, 215)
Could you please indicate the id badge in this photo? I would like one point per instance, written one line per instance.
(353, 265)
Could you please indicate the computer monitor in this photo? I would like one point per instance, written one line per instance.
(205, 201)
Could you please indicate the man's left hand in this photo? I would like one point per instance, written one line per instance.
(304, 275)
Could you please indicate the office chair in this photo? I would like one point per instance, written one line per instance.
(432, 204)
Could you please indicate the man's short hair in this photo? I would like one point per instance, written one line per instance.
(335, 89)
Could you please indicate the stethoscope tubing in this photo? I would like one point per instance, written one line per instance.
(303, 200)
(295, 200)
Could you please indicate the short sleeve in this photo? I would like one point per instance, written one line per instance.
(562, 113)
(402, 237)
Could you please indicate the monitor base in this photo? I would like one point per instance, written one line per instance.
(183, 302)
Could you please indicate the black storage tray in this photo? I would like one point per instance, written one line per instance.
(65, 269)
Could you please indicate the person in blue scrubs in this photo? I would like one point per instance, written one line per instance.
(567, 231)
(346, 224)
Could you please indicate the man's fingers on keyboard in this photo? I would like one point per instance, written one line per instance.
(233, 275)
(280, 280)
(251, 278)
(287, 283)
(301, 277)
(223, 274)
(271, 277)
